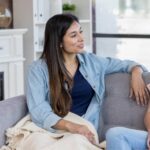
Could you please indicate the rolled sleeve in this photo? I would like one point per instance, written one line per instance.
(51, 121)
(137, 64)
(113, 65)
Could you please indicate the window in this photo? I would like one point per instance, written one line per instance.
(121, 29)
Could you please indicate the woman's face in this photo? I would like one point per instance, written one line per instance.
(73, 41)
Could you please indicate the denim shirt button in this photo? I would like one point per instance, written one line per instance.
(86, 75)
(94, 86)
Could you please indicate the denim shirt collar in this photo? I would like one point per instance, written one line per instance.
(80, 58)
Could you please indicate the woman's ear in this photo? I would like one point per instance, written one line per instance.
(61, 45)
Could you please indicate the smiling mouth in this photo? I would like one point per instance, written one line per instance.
(81, 46)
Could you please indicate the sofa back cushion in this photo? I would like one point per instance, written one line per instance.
(11, 111)
(118, 109)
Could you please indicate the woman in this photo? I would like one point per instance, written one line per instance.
(121, 138)
(67, 79)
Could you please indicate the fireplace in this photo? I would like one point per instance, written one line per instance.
(1, 86)
(11, 63)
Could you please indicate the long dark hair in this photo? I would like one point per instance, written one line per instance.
(60, 82)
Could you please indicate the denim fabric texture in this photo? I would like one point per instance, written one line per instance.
(120, 138)
(93, 69)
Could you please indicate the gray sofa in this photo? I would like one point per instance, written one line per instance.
(117, 108)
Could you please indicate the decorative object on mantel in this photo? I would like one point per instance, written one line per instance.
(6, 14)
(68, 7)
(5, 17)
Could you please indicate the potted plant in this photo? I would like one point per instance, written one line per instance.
(69, 8)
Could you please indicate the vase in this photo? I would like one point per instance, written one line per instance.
(5, 17)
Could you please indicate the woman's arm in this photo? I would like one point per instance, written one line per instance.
(75, 128)
(37, 94)
(138, 87)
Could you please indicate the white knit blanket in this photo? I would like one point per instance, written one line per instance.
(25, 135)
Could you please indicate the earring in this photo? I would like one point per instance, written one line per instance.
(61, 46)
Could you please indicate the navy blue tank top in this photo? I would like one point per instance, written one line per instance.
(81, 94)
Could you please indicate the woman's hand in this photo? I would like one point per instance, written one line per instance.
(81, 129)
(138, 88)
(148, 140)
(75, 128)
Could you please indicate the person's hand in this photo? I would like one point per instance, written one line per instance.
(148, 140)
(139, 90)
(81, 129)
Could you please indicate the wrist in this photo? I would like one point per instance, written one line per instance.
(137, 70)
(68, 126)
(63, 125)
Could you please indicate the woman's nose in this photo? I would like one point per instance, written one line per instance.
(81, 37)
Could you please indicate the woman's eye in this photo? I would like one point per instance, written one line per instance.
(81, 31)
(73, 35)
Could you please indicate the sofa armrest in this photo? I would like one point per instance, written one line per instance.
(11, 111)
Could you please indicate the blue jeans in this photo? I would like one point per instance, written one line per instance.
(120, 138)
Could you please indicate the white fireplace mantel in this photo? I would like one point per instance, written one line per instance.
(12, 31)
(11, 61)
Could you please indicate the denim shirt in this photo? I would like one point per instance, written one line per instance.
(93, 69)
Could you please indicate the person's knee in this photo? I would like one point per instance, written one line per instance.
(115, 133)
